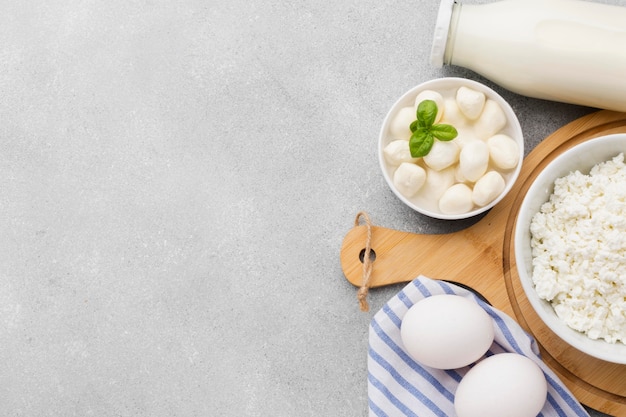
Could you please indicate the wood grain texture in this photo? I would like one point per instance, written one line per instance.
(482, 257)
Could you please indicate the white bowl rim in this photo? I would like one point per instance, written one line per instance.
(448, 83)
(600, 349)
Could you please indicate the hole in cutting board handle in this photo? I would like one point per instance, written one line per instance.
(362, 255)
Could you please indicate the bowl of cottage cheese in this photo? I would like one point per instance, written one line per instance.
(570, 247)
(451, 148)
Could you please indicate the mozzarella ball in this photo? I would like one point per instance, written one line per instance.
(452, 115)
(442, 155)
(466, 135)
(397, 152)
(409, 178)
(434, 96)
(400, 126)
(504, 151)
(474, 160)
(436, 183)
(456, 200)
(471, 102)
(487, 188)
(458, 175)
(491, 121)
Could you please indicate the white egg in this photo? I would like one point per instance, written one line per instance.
(456, 200)
(409, 178)
(446, 331)
(400, 126)
(505, 384)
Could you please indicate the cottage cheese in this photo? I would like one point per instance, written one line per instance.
(578, 241)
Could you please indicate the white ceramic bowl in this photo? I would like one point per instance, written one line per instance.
(582, 158)
(448, 87)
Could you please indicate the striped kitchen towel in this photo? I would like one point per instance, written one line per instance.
(399, 386)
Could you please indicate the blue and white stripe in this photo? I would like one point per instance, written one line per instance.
(399, 386)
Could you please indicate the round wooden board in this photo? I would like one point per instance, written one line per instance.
(483, 259)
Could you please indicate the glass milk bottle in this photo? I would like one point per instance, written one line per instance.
(570, 51)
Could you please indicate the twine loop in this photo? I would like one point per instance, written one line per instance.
(367, 262)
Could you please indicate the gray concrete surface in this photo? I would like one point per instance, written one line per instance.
(176, 179)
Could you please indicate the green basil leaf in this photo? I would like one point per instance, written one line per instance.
(426, 113)
(421, 143)
(414, 126)
(444, 132)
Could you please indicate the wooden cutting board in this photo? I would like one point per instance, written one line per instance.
(482, 257)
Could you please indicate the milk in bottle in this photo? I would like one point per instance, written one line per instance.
(571, 51)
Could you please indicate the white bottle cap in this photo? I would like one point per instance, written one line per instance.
(440, 37)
